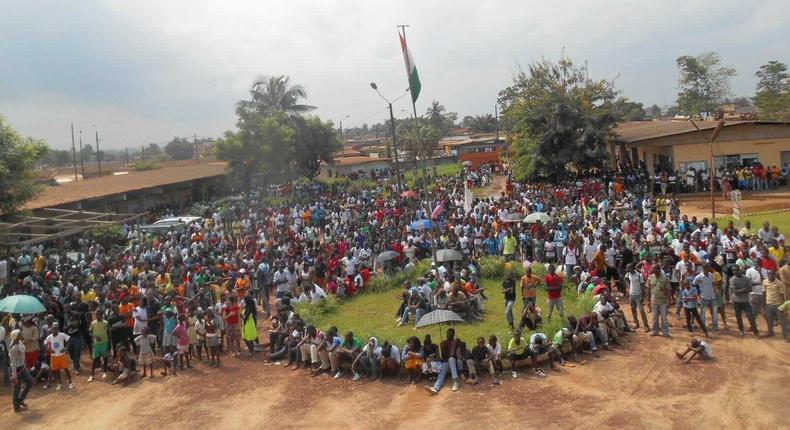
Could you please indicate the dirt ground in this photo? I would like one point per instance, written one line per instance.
(699, 204)
(638, 385)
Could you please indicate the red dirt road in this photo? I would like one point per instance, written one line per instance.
(640, 385)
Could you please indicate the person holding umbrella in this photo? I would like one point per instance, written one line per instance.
(19, 373)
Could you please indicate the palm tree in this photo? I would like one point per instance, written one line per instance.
(482, 123)
(435, 113)
(274, 93)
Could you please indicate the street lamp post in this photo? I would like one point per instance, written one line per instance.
(82, 157)
(342, 140)
(392, 129)
(98, 151)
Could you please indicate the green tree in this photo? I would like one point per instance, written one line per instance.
(435, 114)
(703, 83)
(262, 147)
(88, 154)
(482, 124)
(153, 150)
(561, 120)
(654, 112)
(180, 148)
(772, 98)
(275, 93)
(627, 110)
(58, 157)
(18, 158)
(315, 141)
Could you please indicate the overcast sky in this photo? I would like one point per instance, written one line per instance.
(145, 71)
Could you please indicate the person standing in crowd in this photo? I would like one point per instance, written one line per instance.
(19, 373)
(658, 300)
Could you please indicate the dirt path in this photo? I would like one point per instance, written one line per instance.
(640, 385)
(699, 204)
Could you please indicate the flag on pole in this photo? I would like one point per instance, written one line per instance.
(411, 70)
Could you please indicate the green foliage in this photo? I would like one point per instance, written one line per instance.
(561, 120)
(703, 82)
(141, 166)
(320, 310)
(262, 146)
(315, 142)
(272, 94)
(360, 185)
(773, 91)
(58, 157)
(180, 149)
(626, 110)
(482, 124)
(654, 112)
(18, 158)
(106, 236)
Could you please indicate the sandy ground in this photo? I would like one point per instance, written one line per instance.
(699, 204)
(638, 385)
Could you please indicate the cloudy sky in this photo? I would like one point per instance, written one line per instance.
(145, 71)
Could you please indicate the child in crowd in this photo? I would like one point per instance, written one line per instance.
(146, 343)
(696, 348)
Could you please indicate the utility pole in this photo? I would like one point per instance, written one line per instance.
(98, 151)
(342, 139)
(496, 118)
(712, 169)
(197, 151)
(73, 151)
(127, 156)
(142, 151)
(394, 144)
(82, 157)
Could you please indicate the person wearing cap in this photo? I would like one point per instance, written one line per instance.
(19, 372)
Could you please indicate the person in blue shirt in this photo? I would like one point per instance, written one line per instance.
(491, 245)
(690, 297)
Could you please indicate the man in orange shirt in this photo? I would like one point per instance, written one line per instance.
(125, 309)
(242, 283)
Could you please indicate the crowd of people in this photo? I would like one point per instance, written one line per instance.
(195, 296)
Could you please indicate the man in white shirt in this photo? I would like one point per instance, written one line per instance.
(57, 344)
(756, 279)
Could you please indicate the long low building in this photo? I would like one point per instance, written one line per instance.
(678, 145)
(134, 192)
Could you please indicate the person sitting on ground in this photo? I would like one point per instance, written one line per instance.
(563, 339)
(538, 344)
(347, 351)
(124, 366)
(415, 305)
(432, 364)
(308, 348)
(329, 343)
(517, 350)
(449, 363)
(698, 348)
(367, 362)
(389, 364)
(412, 358)
(530, 317)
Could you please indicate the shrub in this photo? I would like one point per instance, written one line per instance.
(145, 165)
(313, 312)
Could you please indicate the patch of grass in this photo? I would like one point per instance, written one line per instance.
(141, 166)
(373, 314)
(780, 219)
(413, 180)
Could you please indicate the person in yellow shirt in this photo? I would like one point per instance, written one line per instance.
(87, 295)
(162, 280)
(39, 263)
(777, 251)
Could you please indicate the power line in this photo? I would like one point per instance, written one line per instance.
(362, 121)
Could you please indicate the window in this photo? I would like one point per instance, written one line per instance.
(785, 157)
(697, 165)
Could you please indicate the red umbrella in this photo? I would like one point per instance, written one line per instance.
(410, 194)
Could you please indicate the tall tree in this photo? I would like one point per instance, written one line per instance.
(627, 110)
(180, 148)
(262, 147)
(703, 83)
(561, 120)
(275, 93)
(18, 158)
(482, 124)
(315, 141)
(435, 114)
(88, 154)
(772, 98)
(654, 112)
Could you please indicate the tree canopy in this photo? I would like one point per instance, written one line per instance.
(703, 83)
(275, 93)
(772, 98)
(561, 120)
(315, 142)
(18, 158)
(180, 149)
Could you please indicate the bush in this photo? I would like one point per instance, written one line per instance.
(494, 267)
(313, 312)
(106, 236)
(145, 165)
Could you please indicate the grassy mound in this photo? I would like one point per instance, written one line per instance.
(372, 313)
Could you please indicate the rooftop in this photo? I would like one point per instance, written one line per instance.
(636, 131)
(71, 192)
(353, 161)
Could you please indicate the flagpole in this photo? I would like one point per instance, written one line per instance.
(402, 28)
